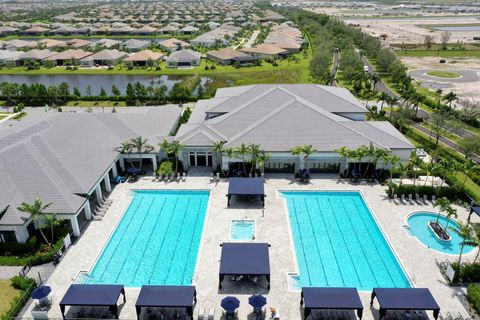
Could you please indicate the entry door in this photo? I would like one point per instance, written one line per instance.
(201, 160)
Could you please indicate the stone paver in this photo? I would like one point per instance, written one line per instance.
(6, 272)
(272, 227)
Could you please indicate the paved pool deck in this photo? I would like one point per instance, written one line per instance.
(272, 227)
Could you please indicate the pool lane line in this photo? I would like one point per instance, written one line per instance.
(140, 200)
(151, 234)
(301, 241)
(136, 238)
(163, 240)
(344, 240)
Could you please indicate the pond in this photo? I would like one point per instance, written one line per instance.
(96, 82)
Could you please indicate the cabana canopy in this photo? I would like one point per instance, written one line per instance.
(168, 297)
(93, 295)
(405, 299)
(331, 298)
(246, 187)
(246, 259)
(475, 210)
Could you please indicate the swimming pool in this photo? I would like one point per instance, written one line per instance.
(243, 230)
(156, 241)
(418, 225)
(338, 243)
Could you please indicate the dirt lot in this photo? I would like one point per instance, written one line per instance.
(409, 30)
(464, 90)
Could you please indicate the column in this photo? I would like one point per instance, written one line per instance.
(75, 226)
(301, 163)
(21, 233)
(114, 170)
(122, 163)
(154, 162)
(98, 193)
(108, 186)
(88, 211)
(224, 163)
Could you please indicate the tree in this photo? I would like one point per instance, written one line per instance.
(64, 91)
(438, 96)
(103, 93)
(428, 41)
(130, 91)
(444, 38)
(305, 151)
(218, 147)
(449, 98)
(464, 231)
(451, 212)
(76, 92)
(242, 151)
(141, 146)
(37, 211)
(475, 242)
(416, 163)
(467, 167)
(383, 97)
(88, 91)
(438, 121)
(443, 204)
(471, 109)
(115, 91)
(470, 146)
(230, 154)
(126, 148)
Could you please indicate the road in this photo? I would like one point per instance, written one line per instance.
(382, 87)
(252, 39)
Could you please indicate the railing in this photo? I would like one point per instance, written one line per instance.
(21, 302)
(25, 270)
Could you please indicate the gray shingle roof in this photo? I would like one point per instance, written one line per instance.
(279, 117)
(60, 157)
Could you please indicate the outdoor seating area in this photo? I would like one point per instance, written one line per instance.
(245, 262)
(246, 188)
(337, 299)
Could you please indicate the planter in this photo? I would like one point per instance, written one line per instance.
(439, 231)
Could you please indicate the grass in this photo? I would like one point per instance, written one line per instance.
(439, 53)
(2, 116)
(8, 294)
(78, 103)
(443, 74)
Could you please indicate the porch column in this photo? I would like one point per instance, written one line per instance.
(225, 163)
(154, 162)
(98, 193)
(122, 163)
(301, 163)
(75, 226)
(114, 170)
(108, 187)
(88, 211)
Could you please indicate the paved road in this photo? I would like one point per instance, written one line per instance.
(252, 39)
(466, 75)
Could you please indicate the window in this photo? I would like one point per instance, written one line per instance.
(8, 236)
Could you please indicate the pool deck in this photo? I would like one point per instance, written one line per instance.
(272, 227)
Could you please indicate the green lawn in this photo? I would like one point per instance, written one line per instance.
(96, 104)
(8, 293)
(439, 53)
(443, 74)
(2, 116)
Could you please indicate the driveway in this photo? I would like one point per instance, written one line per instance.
(466, 75)
(252, 39)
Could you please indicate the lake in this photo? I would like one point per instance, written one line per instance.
(96, 82)
(458, 28)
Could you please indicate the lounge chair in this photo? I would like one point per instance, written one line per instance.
(218, 176)
(410, 198)
(201, 314)
(402, 198)
(160, 177)
(211, 314)
(395, 197)
(184, 176)
(417, 198)
(425, 199)
(212, 177)
(434, 198)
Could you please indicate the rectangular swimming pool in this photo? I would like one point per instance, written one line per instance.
(156, 242)
(339, 244)
(243, 230)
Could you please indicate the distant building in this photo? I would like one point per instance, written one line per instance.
(184, 58)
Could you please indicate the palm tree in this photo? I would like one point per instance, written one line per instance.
(126, 148)
(467, 167)
(36, 210)
(370, 152)
(255, 152)
(415, 163)
(307, 151)
(230, 154)
(242, 151)
(141, 145)
(343, 152)
(175, 148)
(464, 231)
(383, 97)
(451, 212)
(404, 167)
(438, 96)
(443, 204)
(262, 159)
(475, 242)
(218, 148)
(394, 161)
(449, 98)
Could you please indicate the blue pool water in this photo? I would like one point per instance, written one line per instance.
(156, 242)
(418, 223)
(339, 244)
(243, 229)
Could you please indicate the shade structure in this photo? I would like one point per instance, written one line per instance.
(246, 187)
(41, 292)
(94, 295)
(330, 298)
(257, 301)
(405, 299)
(245, 259)
(230, 304)
(167, 297)
(475, 210)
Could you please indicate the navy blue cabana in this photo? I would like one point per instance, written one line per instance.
(93, 295)
(475, 210)
(167, 297)
(330, 298)
(246, 187)
(405, 299)
(245, 259)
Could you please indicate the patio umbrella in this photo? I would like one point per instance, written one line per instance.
(257, 301)
(230, 303)
(41, 292)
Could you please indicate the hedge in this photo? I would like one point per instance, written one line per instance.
(26, 286)
(470, 272)
(34, 259)
(450, 192)
(473, 296)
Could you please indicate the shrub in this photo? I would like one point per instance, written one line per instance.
(15, 248)
(40, 257)
(165, 168)
(450, 192)
(21, 283)
(26, 285)
(470, 272)
(473, 296)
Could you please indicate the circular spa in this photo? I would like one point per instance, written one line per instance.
(418, 223)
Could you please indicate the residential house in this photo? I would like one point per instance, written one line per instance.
(145, 57)
(135, 45)
(106, 57)
(68, 56)
(173, 44)
(184, 58)
(188, 30)
(227, 56)
(37, 55)
(9, 57)
(263, 51)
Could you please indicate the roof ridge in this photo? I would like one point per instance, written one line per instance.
(335, 95)
(369, 123)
